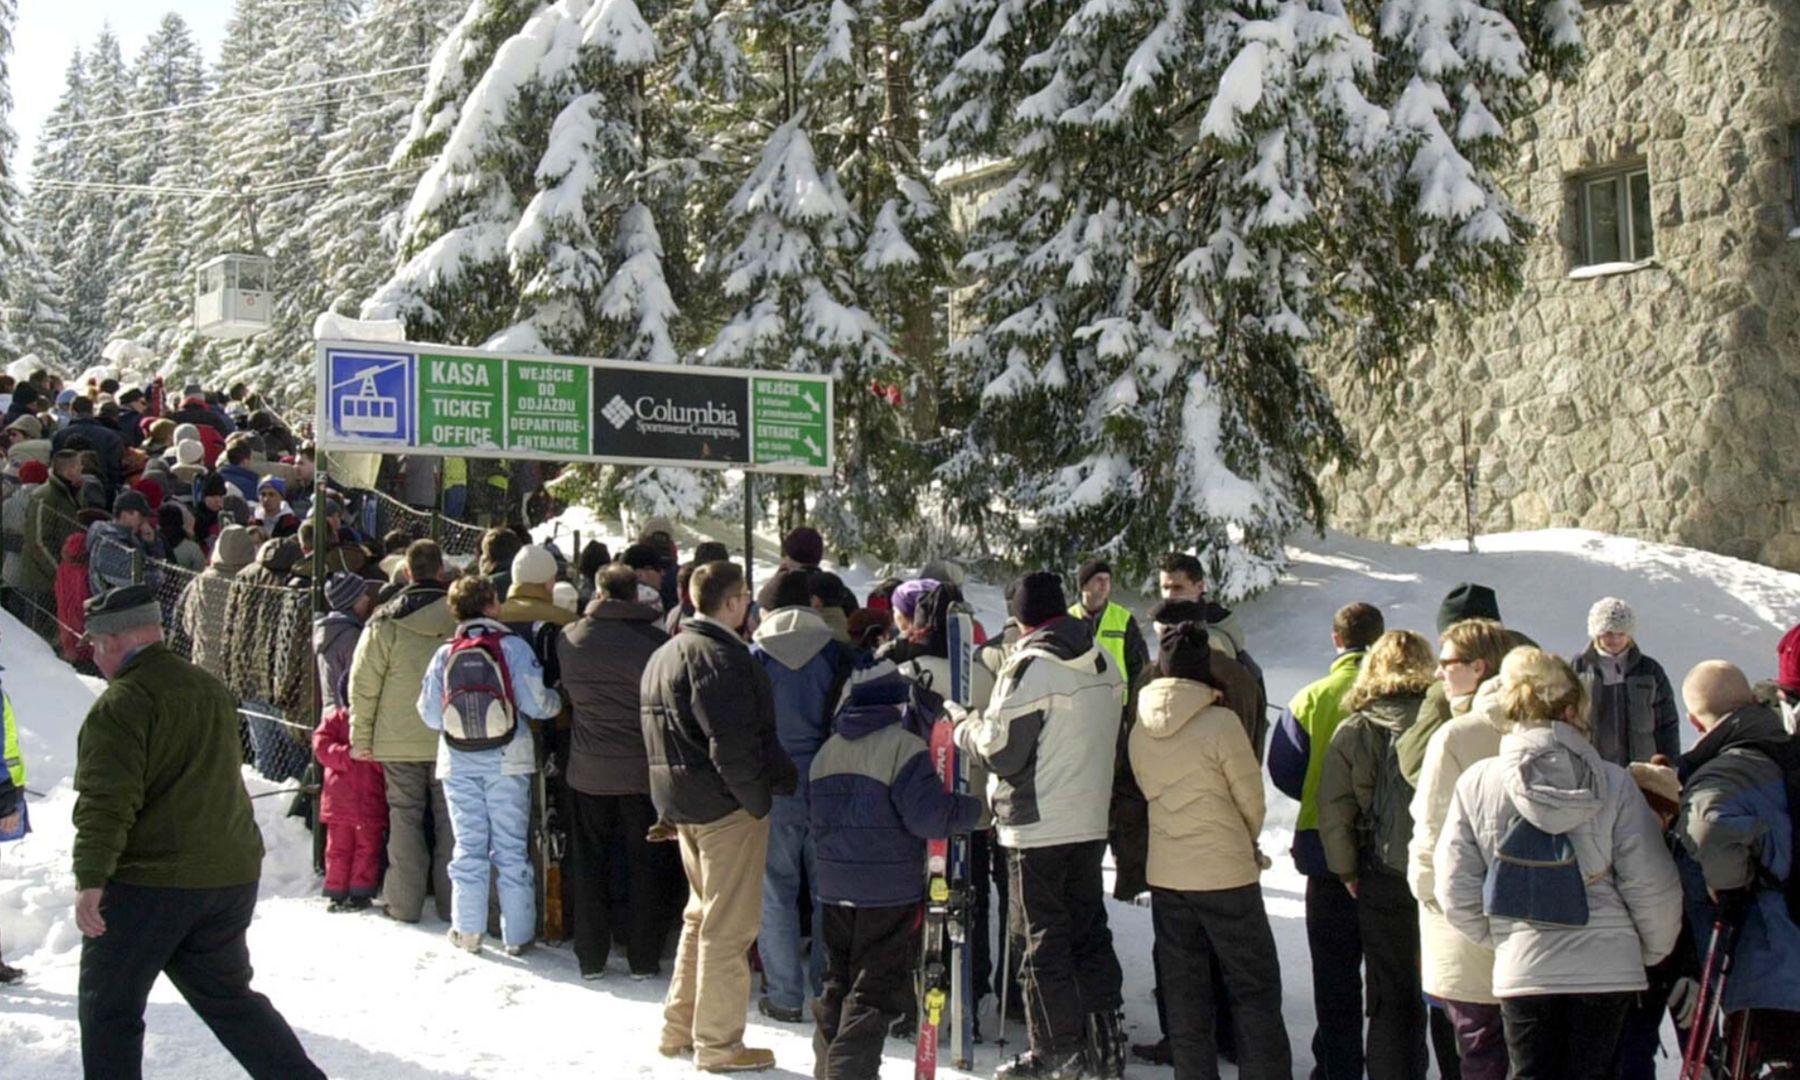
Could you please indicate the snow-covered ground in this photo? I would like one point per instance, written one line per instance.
(373, 999)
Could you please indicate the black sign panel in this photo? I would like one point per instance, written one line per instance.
(700, 419)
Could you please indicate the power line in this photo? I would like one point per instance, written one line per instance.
(252, 96)
(280, 188)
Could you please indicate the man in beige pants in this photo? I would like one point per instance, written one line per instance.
(715, 764)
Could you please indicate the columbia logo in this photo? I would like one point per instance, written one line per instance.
(618, 411)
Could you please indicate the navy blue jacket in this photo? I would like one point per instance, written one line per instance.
(876, 799)
(807, 671)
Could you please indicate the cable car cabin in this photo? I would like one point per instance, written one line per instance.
(231, 296)
(368, 413)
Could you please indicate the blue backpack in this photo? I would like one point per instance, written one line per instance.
(1535, 877)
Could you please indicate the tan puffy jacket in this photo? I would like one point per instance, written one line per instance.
(1196, 767)
(1454, 967)
(388, 670)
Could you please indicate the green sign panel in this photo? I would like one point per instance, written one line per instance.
(547, 407)
(790, 422)
(462, 402)
(400, 397)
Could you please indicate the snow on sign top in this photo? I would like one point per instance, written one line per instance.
(455, 402)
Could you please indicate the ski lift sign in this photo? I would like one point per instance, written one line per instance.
(440, 400)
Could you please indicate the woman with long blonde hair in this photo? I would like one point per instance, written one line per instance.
(1365, 826)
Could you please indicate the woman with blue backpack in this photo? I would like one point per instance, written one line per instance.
(478, 690)
(1552, 857)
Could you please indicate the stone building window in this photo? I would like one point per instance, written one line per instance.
(1616, 221)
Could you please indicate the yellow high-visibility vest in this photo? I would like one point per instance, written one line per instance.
(1109, 633)
(15, 761)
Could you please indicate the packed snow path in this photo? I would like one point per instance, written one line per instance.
(371, 998)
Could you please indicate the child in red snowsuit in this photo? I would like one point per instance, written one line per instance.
(71, 594)
(353, 806)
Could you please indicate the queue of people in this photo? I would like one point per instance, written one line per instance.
(1511, 867)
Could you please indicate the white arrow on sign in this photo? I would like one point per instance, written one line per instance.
(818, 451)
(816, 407)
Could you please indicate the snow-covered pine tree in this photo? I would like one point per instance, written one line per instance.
(50, 221)
(1202, 193)
(355, 225)
(153, 300)
(833, 246)
(87, 227)
(12, 239)
(274, 145)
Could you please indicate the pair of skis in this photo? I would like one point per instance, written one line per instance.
(944, 985)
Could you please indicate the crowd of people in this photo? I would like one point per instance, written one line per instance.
(1512, 867)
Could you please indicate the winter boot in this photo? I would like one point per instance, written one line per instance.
(775, 1012)
(336, 907)
(10, 974)
(1105, 1046)
(358, 903)
(747, 1059)
(465, 942)
(518, 950)
(1054, 1065)
(1156, 1053)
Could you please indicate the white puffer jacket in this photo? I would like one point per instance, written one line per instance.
(1555, 779)
(1454, 968)
(1049, 736)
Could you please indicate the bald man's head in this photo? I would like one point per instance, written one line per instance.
(1715, 690)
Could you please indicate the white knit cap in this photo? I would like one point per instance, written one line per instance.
(533, 565)
(565, 596)
(1611, 615)
(189, 452)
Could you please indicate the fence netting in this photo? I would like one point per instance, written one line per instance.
(251, 629)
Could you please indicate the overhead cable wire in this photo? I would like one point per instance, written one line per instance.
(251, 96)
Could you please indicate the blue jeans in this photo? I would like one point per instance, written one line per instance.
(490, 814)
(790, 848)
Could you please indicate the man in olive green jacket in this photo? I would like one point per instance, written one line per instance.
(167, 853)
(49, 519)
(385, 675)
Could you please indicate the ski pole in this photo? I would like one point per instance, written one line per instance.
(1711, 992)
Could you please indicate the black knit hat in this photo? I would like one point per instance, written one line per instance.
(1185, 652)
(343, 590)
(125, 608)
(1087, 570)
(1467, 601)
(804, 545)
(1037, 598)
(641, 557)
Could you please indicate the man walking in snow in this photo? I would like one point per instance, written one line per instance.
(167, 853)
(1048, 738)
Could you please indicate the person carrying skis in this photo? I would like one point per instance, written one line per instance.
(1048, 740)
(477, 691)
(1736, 829)
(875, 799)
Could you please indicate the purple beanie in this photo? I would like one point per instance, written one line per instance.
(906, 598)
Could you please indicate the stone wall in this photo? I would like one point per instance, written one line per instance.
(1663, 402)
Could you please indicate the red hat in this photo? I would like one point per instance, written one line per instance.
(1787, 661)
(33, 472)
(150, 490)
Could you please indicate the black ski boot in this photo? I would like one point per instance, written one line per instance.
(1156, 1053)
(1105, 1046)
(10, 974)
(1055, 1065)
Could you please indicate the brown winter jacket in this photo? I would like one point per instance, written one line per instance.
(602, 657)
